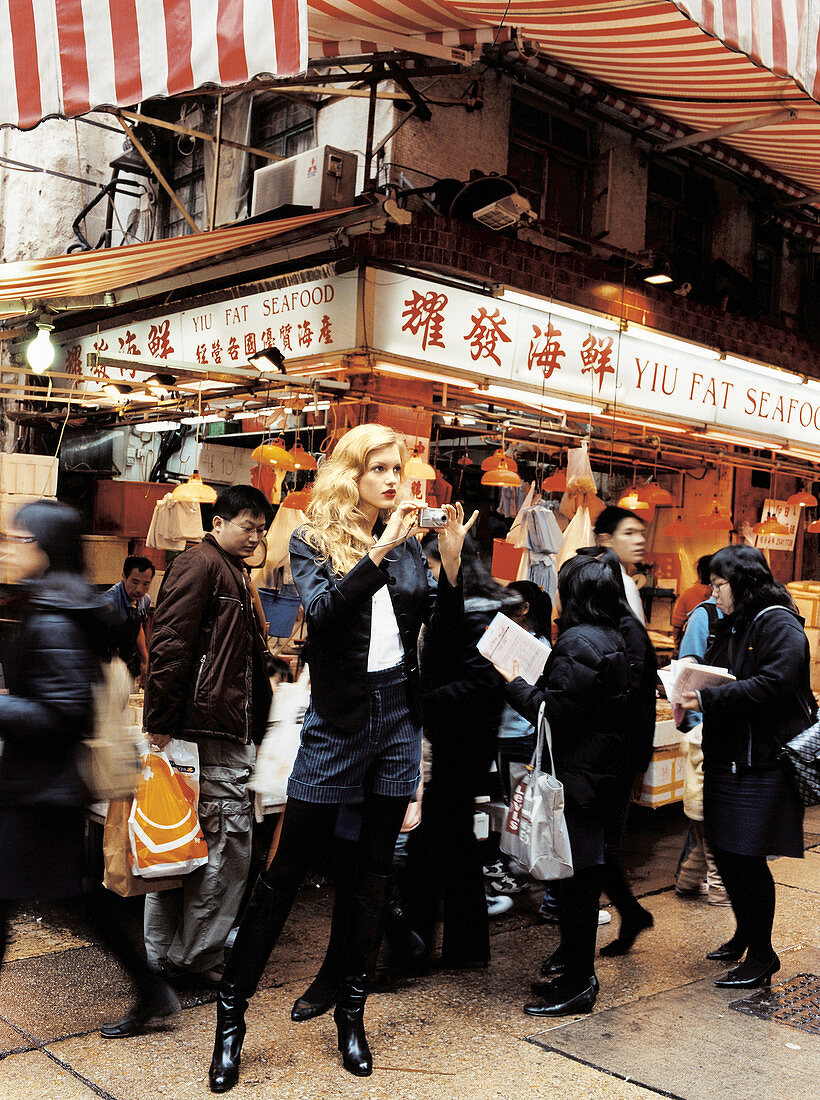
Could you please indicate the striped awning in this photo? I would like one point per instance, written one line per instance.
(66, 57)
(650, 50)
(85, 275)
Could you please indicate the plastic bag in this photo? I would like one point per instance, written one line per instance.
(277, 753)
(578, 533)
(117, 873)
(535, 832)
(163, 827)
(580, 482)
(183, 756)
(108, 762)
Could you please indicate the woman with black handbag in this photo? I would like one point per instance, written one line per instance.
(750, 803)
(366, 593)
(584, 689)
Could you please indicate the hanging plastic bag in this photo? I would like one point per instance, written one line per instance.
(277, 753)
(163, 827)
(579, 533)
(183, 756)
(117, 873)
(535, 832)
(580, 491)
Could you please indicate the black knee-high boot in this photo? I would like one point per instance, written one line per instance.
(363, 941)
(264, 919)
(320, 996)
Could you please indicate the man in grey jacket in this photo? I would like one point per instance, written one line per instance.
(207, 683)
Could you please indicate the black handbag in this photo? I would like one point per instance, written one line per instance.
(802, 758)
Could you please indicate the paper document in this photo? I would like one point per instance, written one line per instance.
(681, 677)
(504, 642)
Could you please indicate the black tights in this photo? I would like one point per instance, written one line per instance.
(750, 887)
(580, 897)
(308, 827)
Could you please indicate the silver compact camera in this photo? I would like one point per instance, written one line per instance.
(431, 517)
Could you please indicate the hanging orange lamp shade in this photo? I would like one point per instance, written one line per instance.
(272, 454)
(298, 500)
(715, 520)
(633, 503)
(803, 499)
(494, 460)
(556, 482)
(814, 527)
(677, 529)
(771, 525)
(302, 459)
(465, 460)
(416, 469)
(652, 493)
(501, 476)
(195, 491)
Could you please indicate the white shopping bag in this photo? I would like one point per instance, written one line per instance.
(277, 753)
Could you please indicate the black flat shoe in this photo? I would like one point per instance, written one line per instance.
(749, 975)
(628, 933)
(553, 965)
(160, 1001)
(730, 952)
(560, 998)
(313, 1003)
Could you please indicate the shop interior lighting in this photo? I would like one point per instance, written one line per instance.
(803, 499)
(268, 358)
(560, 404)
(41, 351)
(647, 424)
(498, 457)
(652, 493)
(161, 384)
(416, 469)
(157, 426)
(715, 520)
(252, 414)
(206, 418)
(677, 529)
(194, 490)
(298, 500)
(659, 273)
(763, 370)
(771, 525)
(273, 454)
(502, 476)
(739, 441)
(556, 309)
(813, 528)
(660, 338)
(810, 456)
(428, 376)
(302, 459)
(556, 482)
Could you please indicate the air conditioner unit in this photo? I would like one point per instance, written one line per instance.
(322, 179)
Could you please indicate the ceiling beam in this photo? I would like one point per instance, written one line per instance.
(757, 122)
(163, 182)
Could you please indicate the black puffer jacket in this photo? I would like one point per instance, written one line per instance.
(643, 675)
(584, 687)
(50, 672)
(746, 722)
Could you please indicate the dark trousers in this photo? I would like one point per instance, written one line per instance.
(579, 899)
(615, 883)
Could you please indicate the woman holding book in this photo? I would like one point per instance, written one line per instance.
(584, 691)
(366, 593)
(750, 805)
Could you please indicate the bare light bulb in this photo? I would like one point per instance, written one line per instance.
(41, 351)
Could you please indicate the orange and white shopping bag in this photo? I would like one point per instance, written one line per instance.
(163, 827)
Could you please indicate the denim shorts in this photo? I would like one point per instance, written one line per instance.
(334, 765)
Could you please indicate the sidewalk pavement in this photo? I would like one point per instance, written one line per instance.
(451, 1035)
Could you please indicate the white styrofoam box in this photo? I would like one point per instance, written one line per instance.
(666, 734)
(34, 475)
(813, 634)
(11, 503)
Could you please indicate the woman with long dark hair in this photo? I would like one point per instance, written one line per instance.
(50, 673)
(751, 809)
(366, 592)
(584, 691)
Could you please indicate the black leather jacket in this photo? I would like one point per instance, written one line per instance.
(50, 672)
(337, 611)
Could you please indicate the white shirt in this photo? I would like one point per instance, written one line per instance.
(633, 597)
(386, 650)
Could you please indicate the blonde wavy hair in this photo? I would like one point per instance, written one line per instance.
(335, 525)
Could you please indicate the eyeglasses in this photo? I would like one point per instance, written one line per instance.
(716, 586)
(17, 538)
(258, 531)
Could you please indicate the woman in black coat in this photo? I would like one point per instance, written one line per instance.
(50, 672)
(751, 809)
(584, 691)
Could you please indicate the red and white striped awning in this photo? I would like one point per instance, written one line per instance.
(66, 57)
(650, 50)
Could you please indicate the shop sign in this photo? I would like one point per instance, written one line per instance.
(559, 357)
(305, 319)
(789, 516)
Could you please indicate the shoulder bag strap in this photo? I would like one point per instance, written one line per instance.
(544, 736)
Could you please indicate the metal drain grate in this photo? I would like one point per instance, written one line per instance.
(795, 1002)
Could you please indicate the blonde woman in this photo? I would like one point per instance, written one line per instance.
(366, 592)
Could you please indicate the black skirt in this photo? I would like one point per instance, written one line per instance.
(753, 812)
(42, 851)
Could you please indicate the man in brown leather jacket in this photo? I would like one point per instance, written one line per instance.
(207, 683)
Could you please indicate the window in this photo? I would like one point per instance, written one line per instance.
(679, 214)
(767, 255)
(282, 126)
(187, 178)
(809, 309)
(549, 159)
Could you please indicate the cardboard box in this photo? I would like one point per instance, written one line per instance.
(662, 782)
(806, 596)
(11, 503)
(104, 556)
